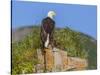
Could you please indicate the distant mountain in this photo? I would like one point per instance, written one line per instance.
(19, 33)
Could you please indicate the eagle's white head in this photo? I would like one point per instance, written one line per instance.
(51, 14)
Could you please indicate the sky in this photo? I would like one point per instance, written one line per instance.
(81, 18)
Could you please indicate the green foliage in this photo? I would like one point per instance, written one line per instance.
(24, 54)
(77, 44)
(71, 41)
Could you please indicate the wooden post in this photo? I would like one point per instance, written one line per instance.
(48, 60)
(45, 61)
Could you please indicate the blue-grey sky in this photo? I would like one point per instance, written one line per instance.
(82, 18)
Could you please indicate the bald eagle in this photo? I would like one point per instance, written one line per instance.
(47, 29)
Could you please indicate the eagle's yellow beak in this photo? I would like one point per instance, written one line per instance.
(54, 14)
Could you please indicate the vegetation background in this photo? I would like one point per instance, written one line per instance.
(77, 44)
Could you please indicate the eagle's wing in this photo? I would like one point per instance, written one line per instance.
(48, 25)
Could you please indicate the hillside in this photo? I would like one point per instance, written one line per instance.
(26, 41)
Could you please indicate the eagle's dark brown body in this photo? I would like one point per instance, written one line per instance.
(47, 27)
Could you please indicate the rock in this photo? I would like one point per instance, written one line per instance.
(64, 59)
(58, 60)
(40, 66)
(77, 63)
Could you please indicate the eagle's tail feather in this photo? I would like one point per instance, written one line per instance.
(47, 41)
